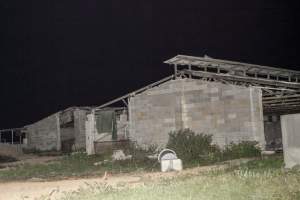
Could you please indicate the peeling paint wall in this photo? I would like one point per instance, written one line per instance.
(230, 113)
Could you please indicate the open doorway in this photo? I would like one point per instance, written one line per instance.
(273, 134)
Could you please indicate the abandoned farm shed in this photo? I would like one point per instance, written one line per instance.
(233, 101)
(66, 131)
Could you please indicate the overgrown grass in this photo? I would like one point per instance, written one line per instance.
(76, 165)
(274, 162)
(261, 179)
(193, 149)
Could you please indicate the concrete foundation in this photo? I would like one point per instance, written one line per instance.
(230, 113)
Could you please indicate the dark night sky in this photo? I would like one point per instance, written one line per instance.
(80, 53)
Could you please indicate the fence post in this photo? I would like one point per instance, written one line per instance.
(12, 136)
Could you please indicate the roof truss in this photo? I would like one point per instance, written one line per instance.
(281, 87)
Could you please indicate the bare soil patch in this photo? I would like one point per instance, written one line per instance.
(36, 188)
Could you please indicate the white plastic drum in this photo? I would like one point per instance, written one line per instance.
(169, 161)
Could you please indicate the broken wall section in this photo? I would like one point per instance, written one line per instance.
(230, 113)
(64, 131)
(97, 142)
(45, 135)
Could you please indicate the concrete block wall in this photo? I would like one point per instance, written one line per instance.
(11, 149)
(45, 134)
(79, 128)
(49, 133)
(290, 126)
(230, 113)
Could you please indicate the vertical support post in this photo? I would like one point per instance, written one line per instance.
(20, 138)
(58, 134)
(131, 129)
(190, 69)
(0, 136)
(90, 133)
(175, 71)
(12, 136)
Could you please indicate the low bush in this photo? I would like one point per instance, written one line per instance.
(241, 150)
(138, 152)
(191, 147)
(198, 148)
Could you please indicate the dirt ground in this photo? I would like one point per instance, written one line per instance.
(36, 188)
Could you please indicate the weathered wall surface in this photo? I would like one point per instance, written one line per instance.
(11, 149)
(291, 139)
(79, 127)
(122, 126)
(45, 134)
(229, 113)
(90, 129)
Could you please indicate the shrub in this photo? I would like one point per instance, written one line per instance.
(140, 153)
(240, 150)
(191, 147)
(198, 148)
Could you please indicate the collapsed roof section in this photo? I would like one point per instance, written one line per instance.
(281, 87)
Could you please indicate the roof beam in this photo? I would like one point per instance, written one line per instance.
(137, 91)
(180, 59)
(260, 81)
(282, 97)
